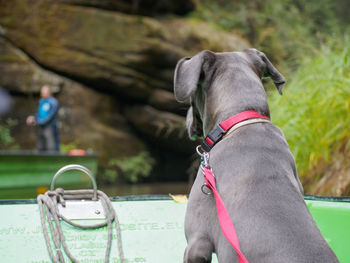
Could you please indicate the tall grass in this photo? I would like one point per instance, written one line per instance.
(314, 112)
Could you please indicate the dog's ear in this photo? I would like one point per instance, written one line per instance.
(187, 74)
(193, 124)
(268, 69)
(273, 73)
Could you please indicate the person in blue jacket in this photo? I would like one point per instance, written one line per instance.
(46, 121)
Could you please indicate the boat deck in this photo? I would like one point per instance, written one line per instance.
(152, 230)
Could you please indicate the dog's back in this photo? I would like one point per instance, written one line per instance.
(255, 173)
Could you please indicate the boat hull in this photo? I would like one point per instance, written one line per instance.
(19, 169)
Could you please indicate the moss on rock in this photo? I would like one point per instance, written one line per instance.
(126, 54)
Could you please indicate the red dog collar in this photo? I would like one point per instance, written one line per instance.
(216, 134)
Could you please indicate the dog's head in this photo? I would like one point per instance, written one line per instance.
(229, 82)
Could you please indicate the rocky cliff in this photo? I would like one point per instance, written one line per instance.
(111, 66)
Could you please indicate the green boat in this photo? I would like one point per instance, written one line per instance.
(20, 169)
(151, 230)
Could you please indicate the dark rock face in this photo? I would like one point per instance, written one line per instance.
(160, 127)
(19, 74)
(140, 7)
(112, 72)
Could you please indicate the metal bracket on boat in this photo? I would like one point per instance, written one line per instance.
(79, 209)
(75, 167)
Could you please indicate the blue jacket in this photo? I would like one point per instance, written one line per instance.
(47, 112)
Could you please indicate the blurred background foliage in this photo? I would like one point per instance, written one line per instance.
(130, 169)
(113, 72)
(314, 113)
(6, 139)
(285, 30)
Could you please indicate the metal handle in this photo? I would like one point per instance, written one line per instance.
(75, 167)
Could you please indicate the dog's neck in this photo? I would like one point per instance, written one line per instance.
(218, 108)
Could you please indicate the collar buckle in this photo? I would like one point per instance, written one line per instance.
(213, 137)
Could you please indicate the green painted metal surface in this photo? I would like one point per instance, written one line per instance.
(32, 169)
(333, 219)
(152, 231)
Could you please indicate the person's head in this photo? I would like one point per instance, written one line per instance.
(45, 92)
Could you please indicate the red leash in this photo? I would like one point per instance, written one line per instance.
(226, 224)
(213, 137)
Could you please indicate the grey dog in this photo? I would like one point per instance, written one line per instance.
(254, 168)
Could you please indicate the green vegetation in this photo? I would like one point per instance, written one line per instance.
(65, 147)
(6, 140)
(132, 169)
(314, 110)
(285, 30)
